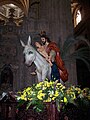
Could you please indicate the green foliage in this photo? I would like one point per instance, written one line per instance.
(45, 92)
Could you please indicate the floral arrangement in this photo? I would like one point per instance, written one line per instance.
(40, 94)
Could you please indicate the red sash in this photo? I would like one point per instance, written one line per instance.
(59, 61)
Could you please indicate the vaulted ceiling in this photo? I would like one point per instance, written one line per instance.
(23, 4)
(20, 7)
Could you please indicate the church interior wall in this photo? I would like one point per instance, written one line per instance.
(53, 16)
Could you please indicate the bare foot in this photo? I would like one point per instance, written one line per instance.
(33, 73)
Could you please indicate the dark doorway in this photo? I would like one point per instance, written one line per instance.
(7, 75)
(83, 74)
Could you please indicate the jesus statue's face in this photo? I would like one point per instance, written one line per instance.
(43, 40)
